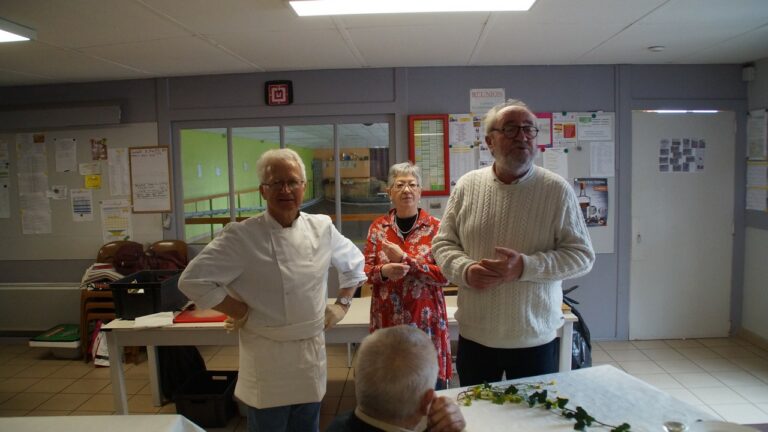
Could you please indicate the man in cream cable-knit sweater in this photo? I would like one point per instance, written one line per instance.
(510, 234)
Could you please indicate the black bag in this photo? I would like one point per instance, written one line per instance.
(130, 258)
(176, 365)
(581, 355)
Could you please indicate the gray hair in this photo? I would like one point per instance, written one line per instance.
(403, 169)
(394, 367)
(492, 116)
(273, 155)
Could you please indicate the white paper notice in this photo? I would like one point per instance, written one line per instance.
(556, 160)
(119, 175)
(563, 129)
(544, 138)
(595, 127)
(116, 220)
(82, 205)
(481, 100)
(485, 158)
(90, 168)
(602, 159)
(462, 162)
(58, 192)
(757, 135)
(757, 199)
(66, 154)
(35, 222)
(463, 136)
(33, 183)
(35, 213)
(5, 182)
(30, 143)
(757, 174)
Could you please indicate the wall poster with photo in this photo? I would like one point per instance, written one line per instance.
(592, 194)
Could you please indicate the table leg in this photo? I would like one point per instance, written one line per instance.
(116, 373)
(154, 378)
(566, 340)
(349, 354)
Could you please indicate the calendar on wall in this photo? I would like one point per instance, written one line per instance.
(428, 148)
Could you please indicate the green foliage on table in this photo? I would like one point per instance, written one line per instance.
(535, 395)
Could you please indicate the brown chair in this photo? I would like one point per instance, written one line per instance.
(94, 305)
(99, 304)
(107, 251)
(168, 255)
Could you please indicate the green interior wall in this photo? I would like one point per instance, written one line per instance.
(209, 150)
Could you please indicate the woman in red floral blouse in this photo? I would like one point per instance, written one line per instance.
(407, 284)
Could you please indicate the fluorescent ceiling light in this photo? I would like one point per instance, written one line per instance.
(358, 7)
(12, 32)
(669, 111)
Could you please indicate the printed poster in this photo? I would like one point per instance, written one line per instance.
(592, 194)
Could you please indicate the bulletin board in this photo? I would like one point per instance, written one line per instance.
(428, 148)
(150, 179)
(579, 146)
(70, 235)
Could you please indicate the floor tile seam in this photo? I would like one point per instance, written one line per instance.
(36, 406)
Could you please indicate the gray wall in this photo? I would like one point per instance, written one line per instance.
(403, 91)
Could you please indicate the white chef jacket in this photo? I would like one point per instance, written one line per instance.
(281, 274)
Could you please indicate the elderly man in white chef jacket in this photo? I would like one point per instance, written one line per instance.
(269, 275)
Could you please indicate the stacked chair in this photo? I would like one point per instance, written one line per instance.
(96, 301)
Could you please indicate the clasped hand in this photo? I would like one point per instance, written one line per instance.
(333, 314)
(488, 273)
(232, 324)
(392, 251)
(445, 416)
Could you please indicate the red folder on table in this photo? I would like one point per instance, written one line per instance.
(199, 316)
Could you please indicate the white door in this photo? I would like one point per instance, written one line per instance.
(682, 222)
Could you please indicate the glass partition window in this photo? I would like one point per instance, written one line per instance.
(355, 191)
(248, 144)
(205, 182)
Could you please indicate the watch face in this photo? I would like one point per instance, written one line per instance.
(345, 301)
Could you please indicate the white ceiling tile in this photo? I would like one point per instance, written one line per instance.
(286, 50)
(711, 14)
(177, 56)
(742, 49)
(425, 45)
(44, 61)
(237, 16)
(530, 43)
(83, 23)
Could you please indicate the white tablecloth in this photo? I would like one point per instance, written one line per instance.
(606, 393)
(113, 423)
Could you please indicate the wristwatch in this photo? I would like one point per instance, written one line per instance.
(344, 301)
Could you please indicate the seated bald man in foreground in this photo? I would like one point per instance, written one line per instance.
(395, 373)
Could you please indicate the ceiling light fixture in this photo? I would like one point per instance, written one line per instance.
(657, 48)
(359, 7)
(12, 32)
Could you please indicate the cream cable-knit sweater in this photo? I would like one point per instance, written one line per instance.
(537, 216)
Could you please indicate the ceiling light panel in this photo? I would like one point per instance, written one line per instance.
(358, 7)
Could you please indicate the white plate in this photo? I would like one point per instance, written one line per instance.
(718, 426)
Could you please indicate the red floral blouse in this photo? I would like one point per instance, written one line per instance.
(416, 299)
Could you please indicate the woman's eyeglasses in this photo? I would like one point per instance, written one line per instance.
(402, 186)
(280, 185)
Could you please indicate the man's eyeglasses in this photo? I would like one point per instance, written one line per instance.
(279, 185)
(511, 131)
(402, 186)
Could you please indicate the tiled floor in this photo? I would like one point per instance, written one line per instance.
(726, 377)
